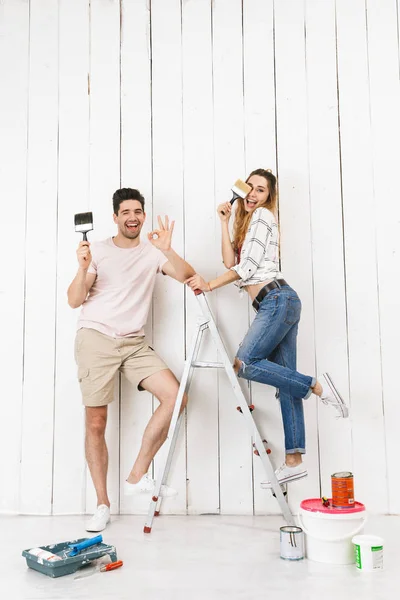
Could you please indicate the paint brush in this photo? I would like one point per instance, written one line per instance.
(240, 189)
(101, 568)
(84, 223)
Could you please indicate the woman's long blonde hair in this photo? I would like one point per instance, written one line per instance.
(242, 218)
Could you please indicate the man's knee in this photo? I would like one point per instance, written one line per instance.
(184, 401)
(96, 420)
(169, 399)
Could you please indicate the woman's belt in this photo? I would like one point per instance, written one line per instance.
(278, 283)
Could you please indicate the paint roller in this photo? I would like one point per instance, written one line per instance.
(75, 548)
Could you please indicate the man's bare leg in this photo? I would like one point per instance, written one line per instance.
(96, 450)
(164, 386)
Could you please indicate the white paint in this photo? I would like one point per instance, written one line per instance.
(182, 101)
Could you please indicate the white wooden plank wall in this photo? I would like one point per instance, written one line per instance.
(260, 151)
(384, 85)
(294, 207)
(235, 450)
(360, 219)
(36, 472)
(179, 98)
(105, 174)
(136, 171)
(334, 436)
(169, 297)
(73, 197)
(14, 74)
(198, 127)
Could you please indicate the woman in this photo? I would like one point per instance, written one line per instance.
(268, 351)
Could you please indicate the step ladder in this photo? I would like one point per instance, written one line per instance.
(206, 321)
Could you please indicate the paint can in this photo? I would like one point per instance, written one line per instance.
(368, 550)
(292, 542)
(329, 531)
(342, 489)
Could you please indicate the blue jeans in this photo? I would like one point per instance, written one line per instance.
(268, 355)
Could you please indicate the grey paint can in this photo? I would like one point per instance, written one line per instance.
(292, 543)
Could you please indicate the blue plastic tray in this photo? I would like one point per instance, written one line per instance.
(68, 564)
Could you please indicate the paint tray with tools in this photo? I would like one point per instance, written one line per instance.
(65, 558)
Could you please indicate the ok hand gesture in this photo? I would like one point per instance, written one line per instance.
(161, 238)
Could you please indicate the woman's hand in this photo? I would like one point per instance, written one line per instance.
(197, 283)
(161, 238)
(224, 211)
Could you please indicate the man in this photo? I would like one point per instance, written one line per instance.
(114, 285)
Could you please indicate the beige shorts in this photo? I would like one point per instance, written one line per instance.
(99, 357)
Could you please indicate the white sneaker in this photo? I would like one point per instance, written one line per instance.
(146, 485)
(285, 474)
(99, 520)
(330, 395)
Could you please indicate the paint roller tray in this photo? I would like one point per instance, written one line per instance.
(67, 564)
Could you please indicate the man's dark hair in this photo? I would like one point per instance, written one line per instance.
(126, 194)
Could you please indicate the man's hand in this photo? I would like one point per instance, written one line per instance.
(161, 238)
(198, 283)
(84, 255)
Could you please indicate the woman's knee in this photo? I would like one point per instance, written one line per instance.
(237, 365)
(245, 354)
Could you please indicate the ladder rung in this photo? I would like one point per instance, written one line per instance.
(208, 365)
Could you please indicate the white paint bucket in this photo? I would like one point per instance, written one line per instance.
(329, 531)
(292, 542)
(368, 551)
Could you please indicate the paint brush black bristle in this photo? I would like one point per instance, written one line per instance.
(84, 223)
